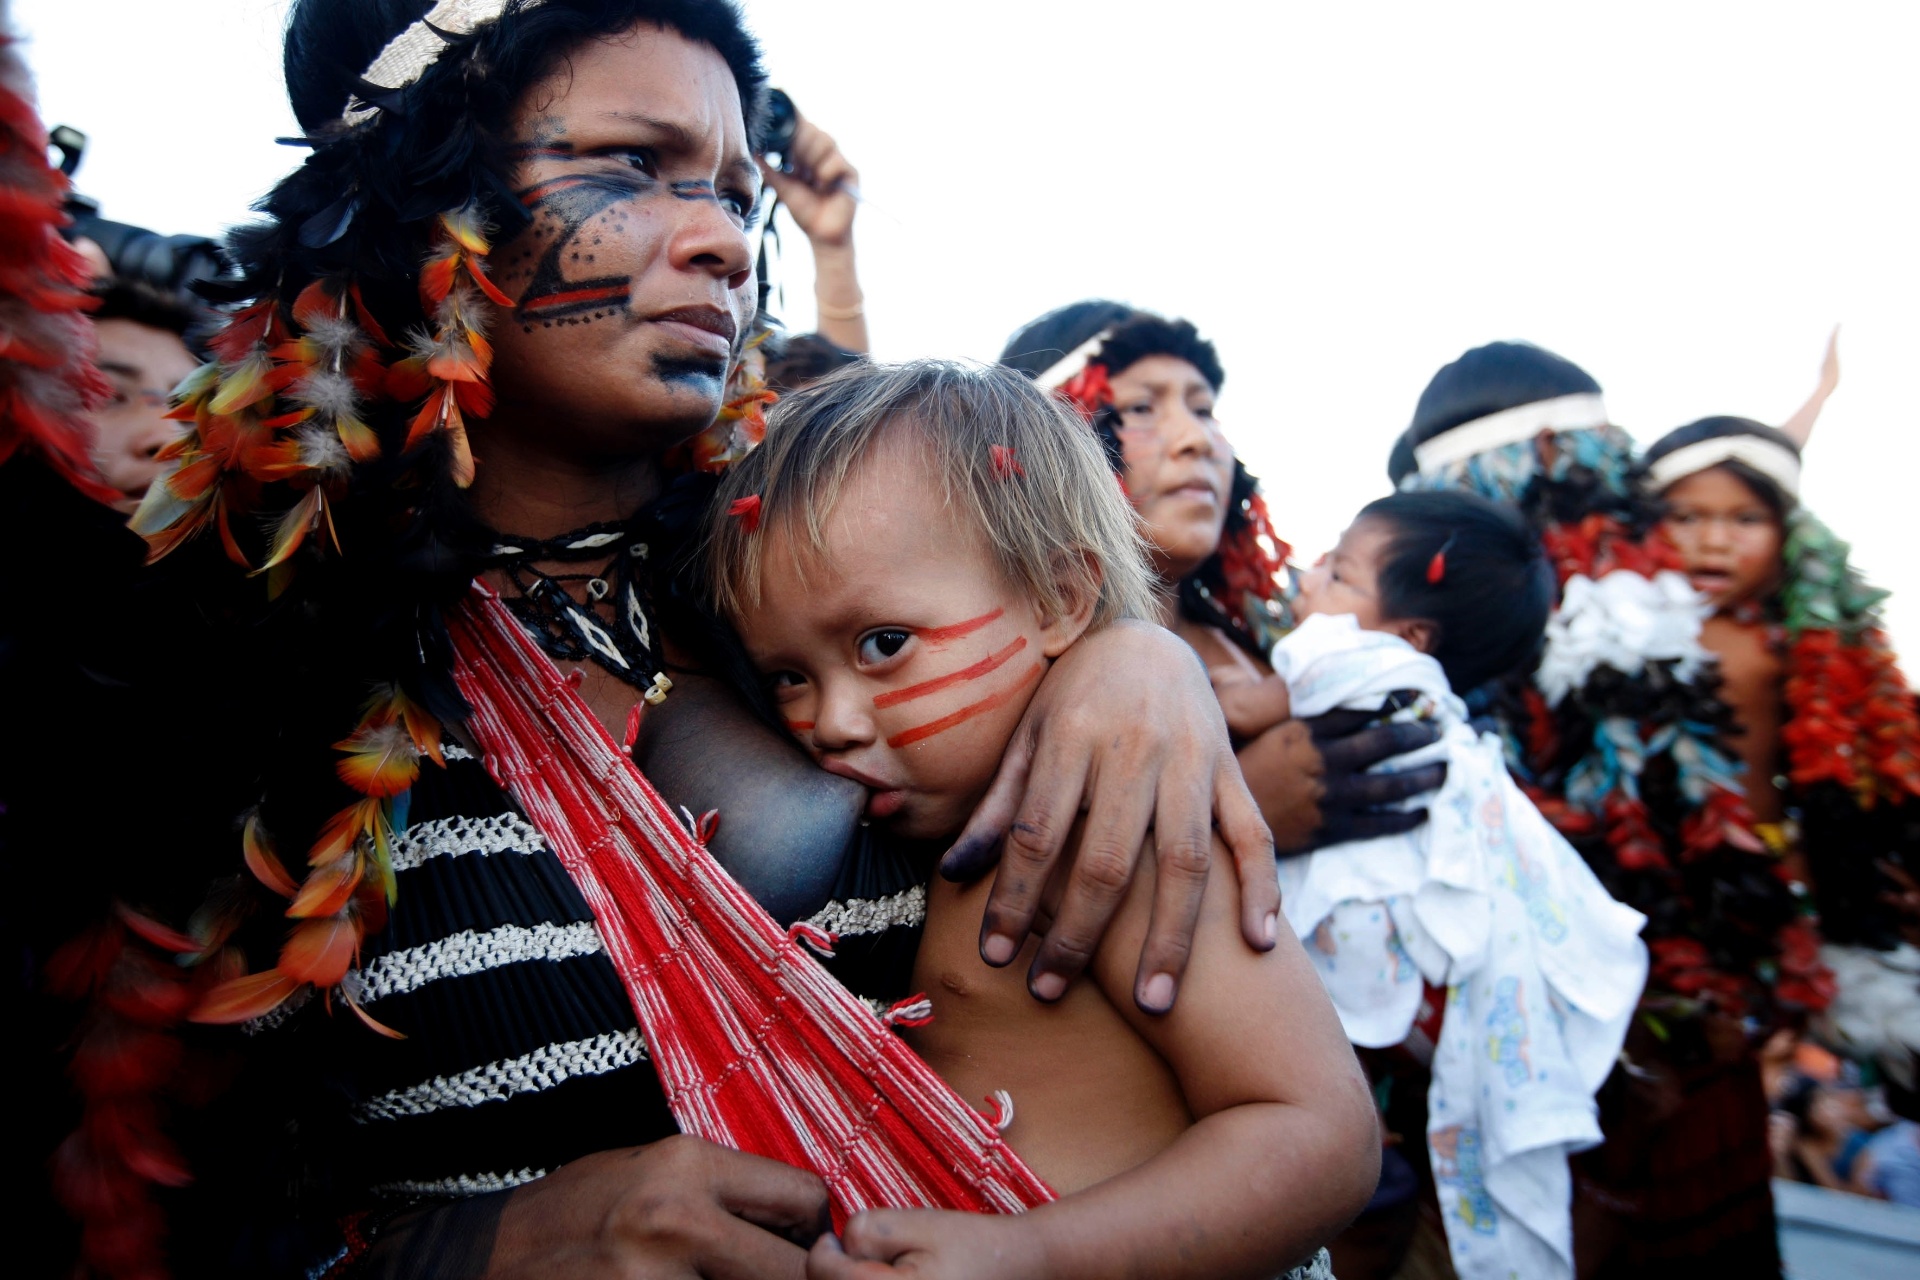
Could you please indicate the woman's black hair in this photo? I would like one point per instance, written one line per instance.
(1472, 568)
(1045, 342)
(1486, 380)
(1720, 427)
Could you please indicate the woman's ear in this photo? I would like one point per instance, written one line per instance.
(1078, 585)
(1418, 632)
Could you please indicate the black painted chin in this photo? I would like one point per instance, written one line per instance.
(705, 374)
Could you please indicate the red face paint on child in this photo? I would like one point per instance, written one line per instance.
(903, 650)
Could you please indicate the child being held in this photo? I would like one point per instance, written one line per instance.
(903, 557)
(1439, 593)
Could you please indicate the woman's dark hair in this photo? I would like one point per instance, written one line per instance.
(1472, 568)
(1042, 344)
(1145, 334)
(1764, 487)
(1486, 380)
(799, 361)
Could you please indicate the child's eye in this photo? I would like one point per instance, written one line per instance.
(878, 646)
(785, 684)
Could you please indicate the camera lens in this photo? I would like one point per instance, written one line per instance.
(776, 131)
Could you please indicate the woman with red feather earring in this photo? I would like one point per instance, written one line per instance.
(509, 280)
(1825, 721)
(1147, 385)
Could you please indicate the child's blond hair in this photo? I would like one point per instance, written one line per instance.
(1015, 463)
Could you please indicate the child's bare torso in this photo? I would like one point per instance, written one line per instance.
(1091, 1098)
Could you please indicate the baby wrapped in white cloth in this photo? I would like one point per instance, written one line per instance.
(1542, 968)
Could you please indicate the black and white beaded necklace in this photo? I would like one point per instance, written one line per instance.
(612, 627)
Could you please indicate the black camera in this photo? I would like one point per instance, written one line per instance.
(776, 131)
(171, 264)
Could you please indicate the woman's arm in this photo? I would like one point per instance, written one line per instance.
(1125, 728)
(1283, 1152)
(822, 193)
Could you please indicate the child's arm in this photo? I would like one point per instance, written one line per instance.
(1284, 1150)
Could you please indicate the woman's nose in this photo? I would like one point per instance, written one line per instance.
(1187, 435)
(708, 239)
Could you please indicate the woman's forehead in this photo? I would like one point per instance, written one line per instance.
(647, 76)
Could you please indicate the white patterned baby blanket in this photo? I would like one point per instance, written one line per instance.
(1542, 967)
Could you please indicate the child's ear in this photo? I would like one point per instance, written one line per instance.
(1418, 632)
(1080, 591)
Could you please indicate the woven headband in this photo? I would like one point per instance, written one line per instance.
(1063, 370)
(409, 54)
(1774, 461)
(1510, 426)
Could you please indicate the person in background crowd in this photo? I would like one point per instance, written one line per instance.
(1147, 386)
(821, 192)
(346, 489)
(1485, 907)
(1621, 738)
(143, 335)
(1825, 721)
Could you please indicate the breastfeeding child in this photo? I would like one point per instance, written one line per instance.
(1437, 593)
(1823, 717)
(903, 557)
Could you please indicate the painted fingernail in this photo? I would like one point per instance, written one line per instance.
(1159, 991)
(998, 949)
(1049, 986)
(1272, 927)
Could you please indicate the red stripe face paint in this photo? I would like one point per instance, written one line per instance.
(944, 635)
(989, 663)
(799, 726)
(920, 733)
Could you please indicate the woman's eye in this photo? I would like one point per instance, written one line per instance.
(878, 646)
(641, 160)
(740, 205)
(784, 681)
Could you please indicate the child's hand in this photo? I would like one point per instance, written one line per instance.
(929, 1245)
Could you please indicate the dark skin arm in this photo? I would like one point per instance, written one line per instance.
(1083, 747)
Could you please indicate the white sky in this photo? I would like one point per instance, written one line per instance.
(1683, 198)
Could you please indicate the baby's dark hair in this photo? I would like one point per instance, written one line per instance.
(1472, 568)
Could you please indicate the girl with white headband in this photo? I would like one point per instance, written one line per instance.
(1825, 721)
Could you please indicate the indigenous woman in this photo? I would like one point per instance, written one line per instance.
(1621, 738)
(1147, 385)
(1825, 721)
(481, 324)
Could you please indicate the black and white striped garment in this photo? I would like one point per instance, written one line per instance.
(522, 1051)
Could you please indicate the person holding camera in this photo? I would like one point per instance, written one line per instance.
(822, 193)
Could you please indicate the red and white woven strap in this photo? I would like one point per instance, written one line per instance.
(756, 1045)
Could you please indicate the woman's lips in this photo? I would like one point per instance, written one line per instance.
(706, 328)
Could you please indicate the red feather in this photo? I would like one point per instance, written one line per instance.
(244, 999)
(747, 511)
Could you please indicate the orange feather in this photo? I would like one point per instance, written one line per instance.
(257, 847)
(160, 935)
(328, 888)
(244, 999)
(343, 830)
(321, 951)
(373, 1023)
(488, 287)
(380, 760)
